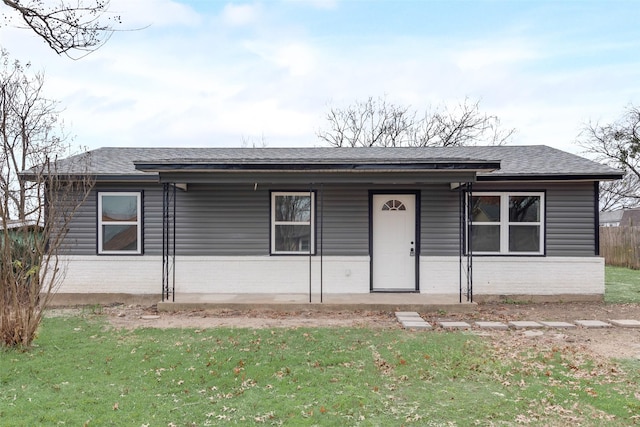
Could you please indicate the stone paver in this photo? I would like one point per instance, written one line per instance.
(407, 314)
(525, 324)
(454, 325)
(625, 323)
(409, 318)
(559, 325)
(593, 324)
(492, 325)
(413, 320)
(416, 325)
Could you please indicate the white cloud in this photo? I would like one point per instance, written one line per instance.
(297, 57)
(139, 14)
(318, 4)
(493, 53)
(240, 15)
(215, 77)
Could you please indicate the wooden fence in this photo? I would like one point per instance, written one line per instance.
(620, 246)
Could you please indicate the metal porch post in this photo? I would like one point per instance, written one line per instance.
(465, 257)
(168, 241)
(165, 210)
(469, 250)
(321, 238)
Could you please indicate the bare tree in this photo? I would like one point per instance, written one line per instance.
(36, 206)
(618, 145)
(379, 123)
(66, 25)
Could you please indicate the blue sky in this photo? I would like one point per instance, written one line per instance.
(217, 73)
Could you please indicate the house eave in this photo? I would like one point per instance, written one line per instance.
(172, 167)
(147, 177)
(549, 177)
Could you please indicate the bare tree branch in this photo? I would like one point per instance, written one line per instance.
(35, 208)
(379, 123)
(618, 145)
(67, 26)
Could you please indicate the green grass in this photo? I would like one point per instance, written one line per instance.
(622, 285)
(82, 372)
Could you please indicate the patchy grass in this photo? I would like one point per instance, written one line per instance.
(82, 372)
(622, 285)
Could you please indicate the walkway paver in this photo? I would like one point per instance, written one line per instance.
(413, 320)
(593, 324)
(492, 325)
(625, 323)
(407, 315)
(528, 324)
(559, 325)
(416, 325)
(454, 325)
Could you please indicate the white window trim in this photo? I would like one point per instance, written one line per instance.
(505, 223)
(137, 223)
(311, 222)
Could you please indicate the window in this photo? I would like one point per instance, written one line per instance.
(507, 223)
(394, 205)
(292, 223)
(119, 223)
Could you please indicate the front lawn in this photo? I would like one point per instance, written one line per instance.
(622, 285)
(83, 372)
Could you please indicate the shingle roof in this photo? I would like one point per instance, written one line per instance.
(515, 161)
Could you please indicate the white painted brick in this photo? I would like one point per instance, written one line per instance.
(516, 275)
(341, 274)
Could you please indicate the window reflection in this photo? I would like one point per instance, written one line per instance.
(293, 208)
(485, 209)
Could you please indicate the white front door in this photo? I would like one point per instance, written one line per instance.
(393, 242)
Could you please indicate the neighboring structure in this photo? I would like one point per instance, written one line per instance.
(474, 222)
(19, 229)
(630, 218)
(611, 218)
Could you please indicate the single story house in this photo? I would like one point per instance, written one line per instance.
(478, 223)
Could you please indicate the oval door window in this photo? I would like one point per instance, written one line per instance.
(394, 205)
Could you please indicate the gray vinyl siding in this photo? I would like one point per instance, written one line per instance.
(83, 232)
(235, 219)
(440, 216)
(229, 220)
(232, 220)
(345, 216)
(81, 237)
(570, 215)
(571, 220)
(152, 220)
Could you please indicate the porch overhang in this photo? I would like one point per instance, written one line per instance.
(404, 171)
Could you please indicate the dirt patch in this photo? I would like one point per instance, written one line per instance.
(134, 317)
(615, 342)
